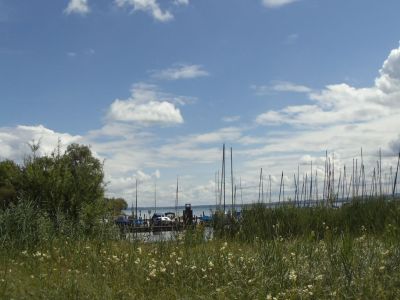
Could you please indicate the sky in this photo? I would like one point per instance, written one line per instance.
(156, 87)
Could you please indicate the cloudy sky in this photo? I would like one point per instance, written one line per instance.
(155, 87)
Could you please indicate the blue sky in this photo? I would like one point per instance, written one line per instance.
(156, 86)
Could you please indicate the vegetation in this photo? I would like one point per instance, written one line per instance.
(116, 205)
(55, 243)
(373, 215)
(334, 267)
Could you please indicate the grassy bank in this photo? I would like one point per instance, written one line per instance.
(289, 253)
(333, 267)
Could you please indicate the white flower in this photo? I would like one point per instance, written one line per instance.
(292, 275)
(153, 273)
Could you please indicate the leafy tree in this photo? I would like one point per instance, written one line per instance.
(10, 181)
(116, 205)
(64, 183)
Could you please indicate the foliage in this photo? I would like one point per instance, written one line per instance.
(64, 183)
(338, 267)
(56, 194)
(116, 205)
(10, 178)
(288, 221)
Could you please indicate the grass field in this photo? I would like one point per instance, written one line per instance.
(331, 263)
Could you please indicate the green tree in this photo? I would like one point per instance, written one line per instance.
(10, 181)
(116, 205)
(64, 183)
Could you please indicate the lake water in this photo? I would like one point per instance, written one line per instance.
(198, 210)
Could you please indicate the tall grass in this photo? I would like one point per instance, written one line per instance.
(301, 268)
(287, 253)
(373, 216)
(24, 226)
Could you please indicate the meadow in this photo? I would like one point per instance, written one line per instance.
(286, 253)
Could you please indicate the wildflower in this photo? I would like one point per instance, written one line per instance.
(293, 254)
(137, 261)
(224, 246)
(292, 275)
(310, 286)
(205, 276)
(210, 263)
(32, 276)
(381, 268)
(269, 297)
(139, 250)
(24, 252)
(217, 290)
(193, 267)
(153, 273)
(163, 270)
(178, 262)
(319, 277)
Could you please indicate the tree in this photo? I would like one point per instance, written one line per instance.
(10, 181)
(116, 205)
(64, 183)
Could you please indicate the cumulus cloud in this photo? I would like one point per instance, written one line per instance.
(342, 103)
(77, 7)
(15, 141)
(181, 72)
(147, 106)
(276, 3)
(150, 6)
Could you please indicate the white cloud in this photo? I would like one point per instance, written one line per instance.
(181, 72)
(78, 7)
(280, 86)
(230, 119)
(15, 141)
(276, 3)
(150, 6)
(342, 103)
(147, 106)
(181, 2)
